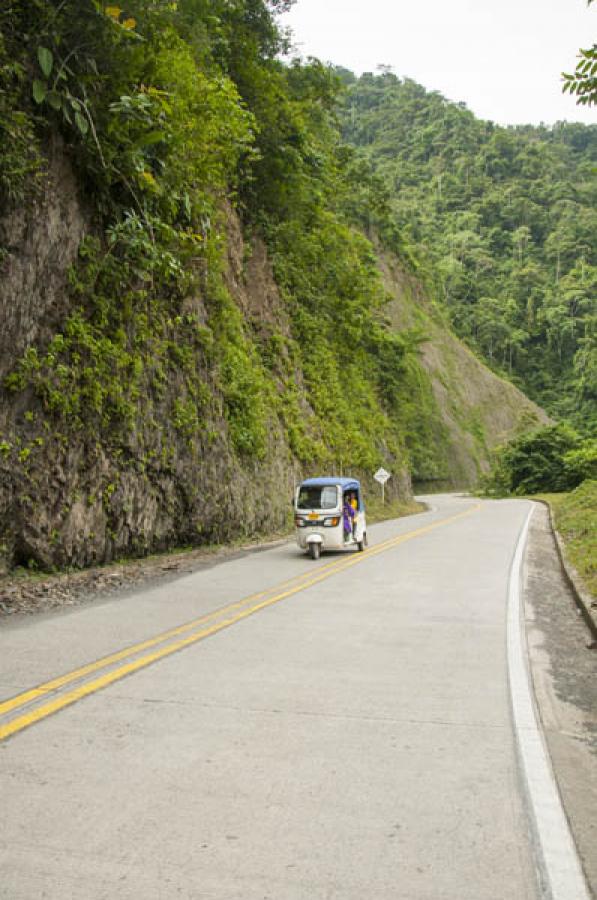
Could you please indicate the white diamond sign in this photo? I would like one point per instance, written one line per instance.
(382, 476)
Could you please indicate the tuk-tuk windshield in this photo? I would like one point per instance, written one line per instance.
(316, 497)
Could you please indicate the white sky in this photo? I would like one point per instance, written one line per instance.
(503, 58)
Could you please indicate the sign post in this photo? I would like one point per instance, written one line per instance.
(382, 476)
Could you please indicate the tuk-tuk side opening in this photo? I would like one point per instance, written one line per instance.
(354, 492)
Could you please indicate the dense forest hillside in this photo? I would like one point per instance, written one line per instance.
(204, 291)
(502, 225)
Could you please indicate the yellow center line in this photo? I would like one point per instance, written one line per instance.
(110, 677)
(56, 683)
(49, 686)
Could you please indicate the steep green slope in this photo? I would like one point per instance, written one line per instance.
(468, 409)
(191, 315)
(502, 222)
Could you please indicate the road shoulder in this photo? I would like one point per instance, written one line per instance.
(563, 671)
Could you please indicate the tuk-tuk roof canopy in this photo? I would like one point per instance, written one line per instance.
(345, 483)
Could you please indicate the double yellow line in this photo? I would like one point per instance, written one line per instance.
(178, 638)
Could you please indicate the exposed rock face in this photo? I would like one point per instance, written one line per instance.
(79, 502)
(40, 245)
(78, 506)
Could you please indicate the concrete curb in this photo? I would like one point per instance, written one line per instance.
(581, 595)
(559, 870)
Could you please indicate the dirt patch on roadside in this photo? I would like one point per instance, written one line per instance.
(26, 593)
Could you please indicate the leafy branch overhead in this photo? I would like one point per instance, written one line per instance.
(69, 69)
(583, 82)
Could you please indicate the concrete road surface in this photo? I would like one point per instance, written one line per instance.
(274, 728)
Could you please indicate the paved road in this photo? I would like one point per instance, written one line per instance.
(338, 730)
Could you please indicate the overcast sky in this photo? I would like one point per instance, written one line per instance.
(503, 58)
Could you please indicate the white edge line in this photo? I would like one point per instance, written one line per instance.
(559, 868)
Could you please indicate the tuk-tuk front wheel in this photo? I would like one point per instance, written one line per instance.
(314, 550)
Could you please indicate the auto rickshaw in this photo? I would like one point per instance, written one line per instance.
(319, 516)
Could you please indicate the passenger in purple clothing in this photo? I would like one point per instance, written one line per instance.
(348, 515)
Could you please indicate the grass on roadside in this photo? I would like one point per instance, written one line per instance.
(575, 518)
(378, 512)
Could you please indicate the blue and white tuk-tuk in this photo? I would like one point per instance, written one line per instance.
(322, 516)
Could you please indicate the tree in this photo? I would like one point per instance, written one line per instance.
(554, 458)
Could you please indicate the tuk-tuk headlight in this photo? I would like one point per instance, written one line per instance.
(300, 522)
(331, 522)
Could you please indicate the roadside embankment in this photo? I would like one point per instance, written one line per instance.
(574, 521)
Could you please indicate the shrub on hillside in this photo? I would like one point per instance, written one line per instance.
(552, 459)
(581, 464)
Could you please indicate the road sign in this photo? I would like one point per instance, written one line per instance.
(382, 476)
